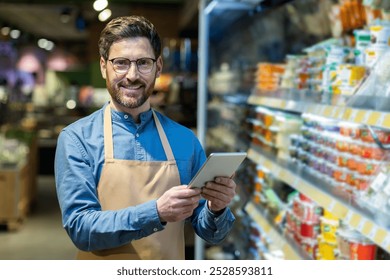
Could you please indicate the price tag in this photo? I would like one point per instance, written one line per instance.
(381, 119)
(339, 113)
(366, 117)
(361, 225)
(348, 217)
(332, 205)
(386, 241)
(353, 115)
(373, 232)
(334, 112)
(276, 170)
(296, 181)
(320, 109)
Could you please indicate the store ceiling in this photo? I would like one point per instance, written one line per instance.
(42, 17)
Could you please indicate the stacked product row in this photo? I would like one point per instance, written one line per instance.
(272, 129)
(345, 156)
(318, 233)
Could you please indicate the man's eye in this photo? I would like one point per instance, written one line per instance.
(120, 62)
(142, 62)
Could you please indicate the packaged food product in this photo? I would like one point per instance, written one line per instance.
(380, 35)
(326, 249)
(328, 229)
(383, 135)
(368, 166)
(308, 229)
(371, 151)
(362, 249)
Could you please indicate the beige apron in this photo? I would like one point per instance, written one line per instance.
(125, 183)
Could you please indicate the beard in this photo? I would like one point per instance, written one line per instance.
(133, 100)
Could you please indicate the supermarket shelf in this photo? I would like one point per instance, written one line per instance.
(278, 103)
(291, 252)
(342, 113)
(225, 136)
(350, 214)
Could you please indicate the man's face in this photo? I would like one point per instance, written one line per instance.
(131, 89)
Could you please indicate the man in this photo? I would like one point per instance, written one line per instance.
(121, 173)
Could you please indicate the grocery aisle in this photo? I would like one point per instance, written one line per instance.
(41, 236)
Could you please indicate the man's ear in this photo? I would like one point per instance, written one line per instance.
(159, 65)
(103, 67)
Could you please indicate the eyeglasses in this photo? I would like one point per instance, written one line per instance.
(122, 65)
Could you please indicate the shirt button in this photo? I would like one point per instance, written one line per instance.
(137, 135)
(155, 229)
(126, 117)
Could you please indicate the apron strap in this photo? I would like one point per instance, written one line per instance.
(164, 139)
(108, 140)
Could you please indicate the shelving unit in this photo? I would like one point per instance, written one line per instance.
(320, 193)
(221, 14)
(289, 248)
(341, 113)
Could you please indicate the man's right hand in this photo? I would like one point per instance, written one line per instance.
(178, 203)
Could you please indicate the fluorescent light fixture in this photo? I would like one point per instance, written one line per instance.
(100, 5)
(104, 15)
(15, 33)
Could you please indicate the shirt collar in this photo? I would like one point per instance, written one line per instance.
(125, 117)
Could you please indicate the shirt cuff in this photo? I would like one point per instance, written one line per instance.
(149, 218)
(216, 216)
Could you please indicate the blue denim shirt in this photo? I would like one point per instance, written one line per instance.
(79, 161)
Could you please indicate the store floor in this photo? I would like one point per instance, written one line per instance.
(41, 236)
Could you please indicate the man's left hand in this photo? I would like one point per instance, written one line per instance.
(219, 193)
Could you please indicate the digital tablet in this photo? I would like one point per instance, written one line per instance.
(217, 165)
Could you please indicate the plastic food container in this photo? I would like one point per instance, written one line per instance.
(343, 144)
(326, 249)
(368, 167)
(362, 250)
(341, 174)
(383, 135)
(310, 246)
(371, 151)
(350, 130)
(355, 147)
(309, 229)
(362, 182)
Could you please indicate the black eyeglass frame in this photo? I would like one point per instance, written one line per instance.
(136, 63)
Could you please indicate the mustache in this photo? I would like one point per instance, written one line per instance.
(134, 83)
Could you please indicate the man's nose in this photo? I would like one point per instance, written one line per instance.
(133, 71)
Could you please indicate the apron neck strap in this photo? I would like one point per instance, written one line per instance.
(108, 139)
(163, 138)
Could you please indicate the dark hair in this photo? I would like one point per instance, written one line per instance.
(128, 27)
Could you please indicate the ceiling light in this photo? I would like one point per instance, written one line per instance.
(42, 43)
(99, 5)
(65, 15)
(15, 34)
(5, 30)
(45, 44)
(104, 15)
(49, 46)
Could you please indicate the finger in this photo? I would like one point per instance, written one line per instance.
(220, 200)
(225, 181)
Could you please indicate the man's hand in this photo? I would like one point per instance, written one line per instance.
(178, 203)
(219, 193)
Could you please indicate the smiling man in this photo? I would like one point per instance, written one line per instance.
(122, 172)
